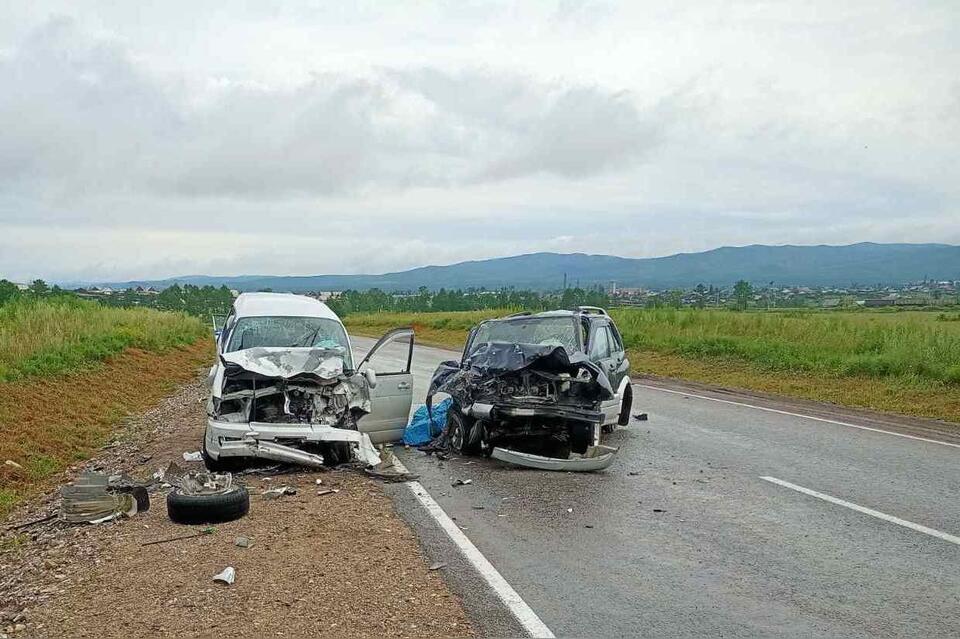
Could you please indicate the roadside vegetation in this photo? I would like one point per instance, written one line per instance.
(906, 362)
(49, 336)
(71, 370)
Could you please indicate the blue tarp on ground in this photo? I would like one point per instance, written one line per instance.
(420, 430)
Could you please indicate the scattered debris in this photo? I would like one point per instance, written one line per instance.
(277, 493)
(588, 525)
(640, 417)
(659, 510)
(97, 498)
(390, 469)
(227, 576)
(241, 542)
(209, 530)
(569, 510)
(328, 491)
(319, 482)
(633, 473)
(478, 507)
(13, 464)
(193, 457)
(437, 566)
(461, 482)
(33, 522)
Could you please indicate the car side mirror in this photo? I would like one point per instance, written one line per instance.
(450, 364)
(371, 376)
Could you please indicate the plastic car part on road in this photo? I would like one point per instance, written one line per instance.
(596, 458)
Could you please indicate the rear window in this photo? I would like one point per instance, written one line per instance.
(290, 332)
(552, 331)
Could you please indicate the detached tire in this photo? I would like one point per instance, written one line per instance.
(208, 509)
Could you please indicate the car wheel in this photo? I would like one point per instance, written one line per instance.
(458, 432)
(336, 453)
(211, 508)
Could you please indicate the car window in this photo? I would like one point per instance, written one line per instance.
(616, 344)
(291, 332)
(552, 331)
(600, 345)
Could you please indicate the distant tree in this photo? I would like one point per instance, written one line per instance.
(38, 288)
(8, 291)
(742, 291)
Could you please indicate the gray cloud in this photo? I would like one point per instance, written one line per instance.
(87, 114)
(184, 137)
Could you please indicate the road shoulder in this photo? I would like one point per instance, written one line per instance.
(340, 563)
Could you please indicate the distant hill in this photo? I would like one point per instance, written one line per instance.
(822, 265)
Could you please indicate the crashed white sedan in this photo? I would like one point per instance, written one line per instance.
(285, 387)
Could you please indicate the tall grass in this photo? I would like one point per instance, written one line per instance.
(913, 347)
(55, 335)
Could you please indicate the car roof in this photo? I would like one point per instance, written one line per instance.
(281, 305)
(555, 313)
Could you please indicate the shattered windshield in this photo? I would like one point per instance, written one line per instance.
(315, 332)
(551, 331)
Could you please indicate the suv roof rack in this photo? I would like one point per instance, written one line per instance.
(594, 310)
(520, 314)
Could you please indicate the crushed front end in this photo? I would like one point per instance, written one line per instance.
(532, 399)
(295, 405)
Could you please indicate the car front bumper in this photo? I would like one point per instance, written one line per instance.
(279, 441)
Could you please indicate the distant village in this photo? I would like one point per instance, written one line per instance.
(917, 295)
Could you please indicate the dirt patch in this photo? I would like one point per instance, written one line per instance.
(49, 423)
(340, 564)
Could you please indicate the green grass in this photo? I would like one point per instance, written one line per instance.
(912, 347)
(52, 336)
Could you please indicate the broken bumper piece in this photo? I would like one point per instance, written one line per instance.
(596, 458)
(262, 441)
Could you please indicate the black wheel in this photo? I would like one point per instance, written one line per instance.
(459, 431)
(208, 509)
(335, 453)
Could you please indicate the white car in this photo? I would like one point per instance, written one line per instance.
(286, 387)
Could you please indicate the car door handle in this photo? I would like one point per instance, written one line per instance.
(403, 386)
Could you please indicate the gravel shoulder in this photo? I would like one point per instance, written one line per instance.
(340, 564)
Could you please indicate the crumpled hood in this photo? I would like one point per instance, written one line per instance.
(285, 363)
(494, 359)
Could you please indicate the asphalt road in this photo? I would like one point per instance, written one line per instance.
(682, 536)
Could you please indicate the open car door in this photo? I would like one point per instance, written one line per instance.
(390, 359)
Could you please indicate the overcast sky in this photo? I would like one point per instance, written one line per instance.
(157, 139)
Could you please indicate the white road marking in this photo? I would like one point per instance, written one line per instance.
(511, 599)
(867, 511)
(784, 412)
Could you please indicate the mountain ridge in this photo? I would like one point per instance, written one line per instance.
(788, 265)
